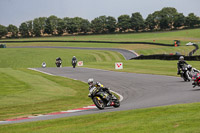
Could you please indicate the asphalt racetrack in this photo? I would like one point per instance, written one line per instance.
(138, 90)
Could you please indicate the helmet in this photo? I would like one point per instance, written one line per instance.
(189, 67)
(90, 81)
(74, 56)
(181, 58)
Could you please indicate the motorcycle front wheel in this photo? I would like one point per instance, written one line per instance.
(98, 102)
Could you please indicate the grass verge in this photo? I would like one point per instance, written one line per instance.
(184, 118)
(24, 92)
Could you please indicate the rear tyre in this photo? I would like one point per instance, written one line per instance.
(98, 102)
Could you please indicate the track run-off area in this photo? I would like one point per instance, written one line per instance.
(137, 90)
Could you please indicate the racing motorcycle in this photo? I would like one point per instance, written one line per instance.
(196, 80)
(185, 74)
(58, 63)
(101, 98)
(74, 63)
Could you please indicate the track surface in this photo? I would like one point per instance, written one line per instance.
(138, 90)
(126, 53)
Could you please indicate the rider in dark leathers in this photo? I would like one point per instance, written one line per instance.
(91, 84)
(74, 59)
(180, 64)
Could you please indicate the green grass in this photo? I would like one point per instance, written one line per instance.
(33, 57)
(185, 36)
(184, 118)
(24, 92)
(158, 67)
(161, 37)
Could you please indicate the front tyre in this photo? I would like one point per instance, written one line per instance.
(98, 102)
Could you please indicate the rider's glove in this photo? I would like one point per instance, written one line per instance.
(89, 95)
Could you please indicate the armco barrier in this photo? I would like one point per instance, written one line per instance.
(166, 57)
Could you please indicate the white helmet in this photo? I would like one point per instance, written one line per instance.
(90, 81)
(181, 58)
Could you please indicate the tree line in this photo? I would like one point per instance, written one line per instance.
(166, 19)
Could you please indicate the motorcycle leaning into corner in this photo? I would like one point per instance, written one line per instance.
(101, 98)
(185, 74)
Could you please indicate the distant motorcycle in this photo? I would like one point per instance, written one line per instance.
(185, 74)
(58, 62)
(101, 98)
(74, 62)
(196, 80)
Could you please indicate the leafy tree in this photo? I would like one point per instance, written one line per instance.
(137, 21)
(73, 25)
(85, 26)
(3, 31)
(36, 27)
(179, 20)
(66, 23)
(124, 22)
(42, 23)
(30, 27)
(51, 24)
(23, 28)
(167, 15)
(98, 25)
(111, 24)
(61, 26)
(192, 20)
(13, 29)
(150, 22)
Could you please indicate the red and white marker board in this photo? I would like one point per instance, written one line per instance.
(80, 63)
(119, 65)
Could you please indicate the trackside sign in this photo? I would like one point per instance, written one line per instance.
(80, 63)
(119, 65)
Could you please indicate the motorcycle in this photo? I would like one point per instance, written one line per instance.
(185, 74)
(196, 80)
(74, 63)
(58, 63)
(101, 98)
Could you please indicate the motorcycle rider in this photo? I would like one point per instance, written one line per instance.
(58, 62)
(74, 59)
(98, 85)
(192, 70)
(180, 64)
